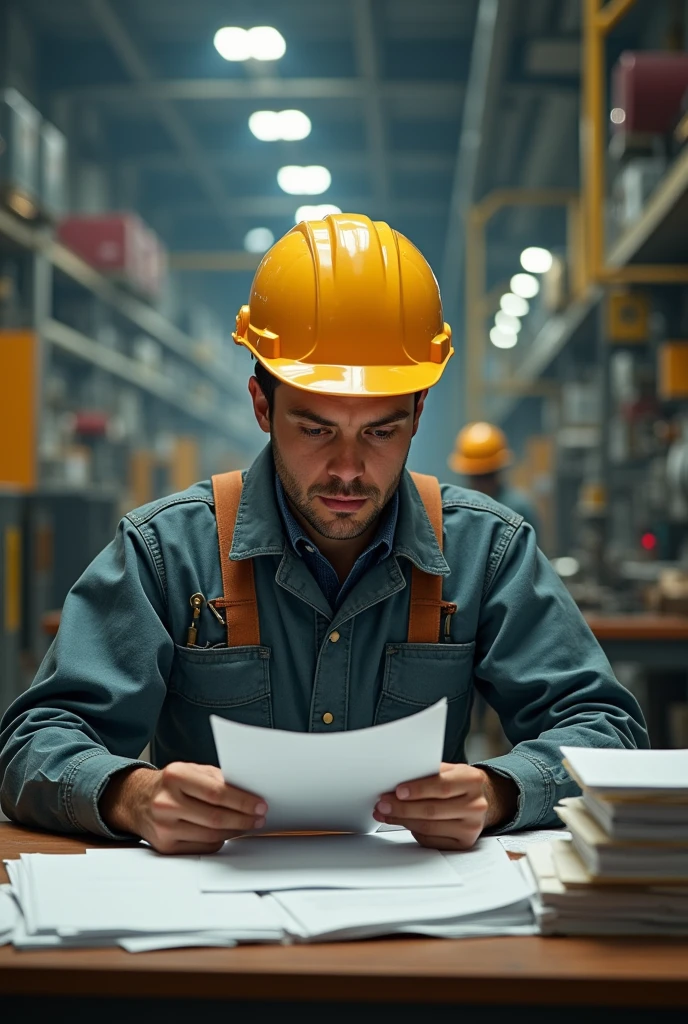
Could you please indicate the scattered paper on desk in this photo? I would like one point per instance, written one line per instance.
(329, 782)
(489, 893)
(518, 842)
(271, 863)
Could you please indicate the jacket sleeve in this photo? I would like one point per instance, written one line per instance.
(540, 667)
(96, 698)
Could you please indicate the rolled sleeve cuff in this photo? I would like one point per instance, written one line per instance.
(82, 787)
(535, 789)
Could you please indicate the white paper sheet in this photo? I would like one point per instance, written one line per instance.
(77, 895)
(487, 881)
(9, 914)
(271, 863)
(518, 842)
(329, 782)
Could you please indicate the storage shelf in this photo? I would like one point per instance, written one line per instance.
(663, 221)
(135, 310)
(143, 377)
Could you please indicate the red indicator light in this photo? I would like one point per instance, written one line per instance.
(648, 542)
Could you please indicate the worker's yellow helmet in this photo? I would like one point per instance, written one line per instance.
(346, 306)
(480, 448)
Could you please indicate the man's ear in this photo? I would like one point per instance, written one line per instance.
(261, 408)
(419, 409)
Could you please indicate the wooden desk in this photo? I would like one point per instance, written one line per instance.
(483, 973)
(657, 641)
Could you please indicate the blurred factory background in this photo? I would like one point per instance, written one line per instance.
(536, 151)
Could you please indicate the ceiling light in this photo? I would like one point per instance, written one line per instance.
(314, 212)
(261, 43)
(501, 340)
(271, 125)
(258, 240)
(295, 125)
(304, 181)
(232, 43)
(536, 260)
(524, 285)
(507, 324)
(617, 115)
(266, 43)
(514, 305)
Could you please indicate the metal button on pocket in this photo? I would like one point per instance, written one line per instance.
(328, 718)
(334, 637)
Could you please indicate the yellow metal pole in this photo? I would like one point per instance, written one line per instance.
(592, 138)
(611, 14)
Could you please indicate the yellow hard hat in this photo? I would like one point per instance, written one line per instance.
(346, 306)
(480, 448)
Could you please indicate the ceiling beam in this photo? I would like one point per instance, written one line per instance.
(340, 163)
(365, 48)
(137, 67)
(204, 89)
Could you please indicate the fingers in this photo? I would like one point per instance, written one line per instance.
(454, 780)
(429, 810)
(183, 808)
(456, 843)
(205, 783)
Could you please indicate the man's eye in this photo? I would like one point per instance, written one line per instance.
(383, 435)
(312, 431)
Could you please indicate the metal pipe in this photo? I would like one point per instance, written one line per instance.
(592, 139)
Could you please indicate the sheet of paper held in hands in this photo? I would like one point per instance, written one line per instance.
(329, 782)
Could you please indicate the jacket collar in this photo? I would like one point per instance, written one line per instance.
(259, 529)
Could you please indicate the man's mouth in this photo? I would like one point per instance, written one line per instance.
(343, 504)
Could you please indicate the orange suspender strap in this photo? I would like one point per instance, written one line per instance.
(426, 590)
(241, 609)
(239, 601)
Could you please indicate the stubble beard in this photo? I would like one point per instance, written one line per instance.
(344, 526)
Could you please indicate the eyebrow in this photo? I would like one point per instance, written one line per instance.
(307, 414)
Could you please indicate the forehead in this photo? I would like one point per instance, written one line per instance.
(340, 409)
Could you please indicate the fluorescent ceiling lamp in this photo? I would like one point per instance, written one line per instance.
(258, 240)
(314, 212)
(266, 43)
(260, 43)
(524, 285)
(501, 340)
(273, 125)
(536, 260)
(232, 43)
(514, 305)
(507, 324)
(304, 181)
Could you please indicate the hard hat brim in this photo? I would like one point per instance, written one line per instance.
(354, 381)
(480, 467)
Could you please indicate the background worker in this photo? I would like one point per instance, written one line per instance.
(482, 455)
(349, 597)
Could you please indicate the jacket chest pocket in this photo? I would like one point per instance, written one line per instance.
(232, 682)
(418, 675)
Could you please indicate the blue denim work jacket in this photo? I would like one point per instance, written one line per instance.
(120, 674)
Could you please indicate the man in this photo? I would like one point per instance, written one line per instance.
(482, 454)
(331, 535)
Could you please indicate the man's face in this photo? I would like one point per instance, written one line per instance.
(339, 459)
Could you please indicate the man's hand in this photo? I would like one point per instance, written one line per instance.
(449, 811)
(184, 808)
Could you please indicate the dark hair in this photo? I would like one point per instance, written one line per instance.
(268, 383)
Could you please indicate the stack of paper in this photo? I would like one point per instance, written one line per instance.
(625, 870)
(268, 889)
(631, 824)
(569, 902)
